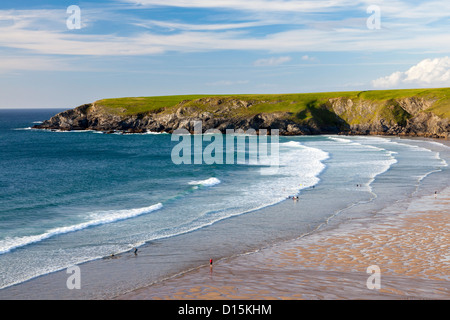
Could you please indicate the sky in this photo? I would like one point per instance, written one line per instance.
(61, 54)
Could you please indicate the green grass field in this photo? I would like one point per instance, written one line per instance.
(303, 106)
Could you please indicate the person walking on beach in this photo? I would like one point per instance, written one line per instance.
(211, 266)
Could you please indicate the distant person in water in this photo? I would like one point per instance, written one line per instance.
(135, 251)
(210, 263)
(435, 194)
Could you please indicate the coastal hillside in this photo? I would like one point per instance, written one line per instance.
(412, 112)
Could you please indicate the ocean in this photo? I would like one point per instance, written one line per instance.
(89, 199)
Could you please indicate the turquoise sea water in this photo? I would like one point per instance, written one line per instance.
(72, 197)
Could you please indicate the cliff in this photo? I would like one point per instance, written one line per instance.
(423, 113)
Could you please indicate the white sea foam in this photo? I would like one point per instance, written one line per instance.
(292, 144)
(96, 219)
(206, 183)
(439, 144)
(300, 168)
(139, 133)
(339, 139)
(410, 147)
(378, 165)
(152, 132)
(436, 143)
(353, 143)
(301, 164)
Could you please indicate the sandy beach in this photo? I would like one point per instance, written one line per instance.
(409, 244)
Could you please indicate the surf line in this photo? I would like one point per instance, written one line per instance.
(213, 153)
(106, 217)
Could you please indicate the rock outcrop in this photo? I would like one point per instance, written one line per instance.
(406, 116)
(409, 117)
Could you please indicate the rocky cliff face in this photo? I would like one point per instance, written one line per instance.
(406, 116)
(409, 117)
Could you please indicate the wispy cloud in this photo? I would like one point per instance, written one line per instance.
(145, 43)
(303, 44)
(151, 24)
(252, 5)
(418, 11)
(274, 61)
(44, 32)
(309, 58)
(36, 63)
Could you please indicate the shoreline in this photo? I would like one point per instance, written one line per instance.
(409, 246)
(431, 136)
(118, 266)
(251, 276)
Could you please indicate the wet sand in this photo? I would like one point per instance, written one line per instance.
(409, 245)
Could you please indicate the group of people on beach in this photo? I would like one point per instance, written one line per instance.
(295, 198)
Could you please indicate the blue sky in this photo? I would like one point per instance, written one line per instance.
(156, 47)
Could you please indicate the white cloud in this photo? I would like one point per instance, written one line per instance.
(308, 58)
(389, 81)
(274, 61)
(428, 72)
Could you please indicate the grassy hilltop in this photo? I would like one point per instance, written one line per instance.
(414, 112)
(303, 106)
